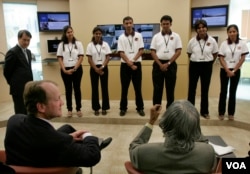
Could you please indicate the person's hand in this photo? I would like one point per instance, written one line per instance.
(69, 72)
(99, 71)
(133, 67)
(77, 135)
(154, 113)
(230, 73)
(130, 63)
(164, 67)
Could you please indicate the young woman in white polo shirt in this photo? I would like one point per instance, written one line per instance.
(232, 55)
(202, 50)
(70, 56)
(98, 57)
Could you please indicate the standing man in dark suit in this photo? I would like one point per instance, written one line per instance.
(17, 69)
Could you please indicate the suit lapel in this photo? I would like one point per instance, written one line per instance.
(22, 56)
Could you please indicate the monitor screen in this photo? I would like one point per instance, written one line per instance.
(52, 21)
(112, 32)
(215, 16)
(53, 45)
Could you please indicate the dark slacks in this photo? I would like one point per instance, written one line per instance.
(224, 79)
(126, 75)
(202, 70)
(66, 128)
(94, 77)
(159, 77)
(19, 106)
(73, 80)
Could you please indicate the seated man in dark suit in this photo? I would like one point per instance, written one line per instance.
(31, 140)
(184, 149)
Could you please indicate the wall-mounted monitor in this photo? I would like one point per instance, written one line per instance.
(52, 21)
(215, 16)
(112, 32)
(52, 46)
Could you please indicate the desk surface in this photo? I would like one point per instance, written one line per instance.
(219, 141)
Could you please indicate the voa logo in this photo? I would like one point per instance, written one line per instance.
(236, 165)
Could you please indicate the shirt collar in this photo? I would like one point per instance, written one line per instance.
(229, 42)
(198, 38)
(132, 34)
(95, 43)
(169, 33)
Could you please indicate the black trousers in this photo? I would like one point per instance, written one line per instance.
(70, 82)
(66, 128)
(94, 77)
(19, 106)
(159, 77)
(126, 75)
(224, 79)
(202, 70)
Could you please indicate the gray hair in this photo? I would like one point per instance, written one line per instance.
(181, 125)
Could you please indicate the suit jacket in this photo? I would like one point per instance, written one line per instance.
(157, 158)
(30, 141)
(17, 70)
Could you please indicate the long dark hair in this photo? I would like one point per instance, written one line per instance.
(238, 35)
(93, 32)
(64, 38)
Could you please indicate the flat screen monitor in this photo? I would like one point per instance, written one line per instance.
(215, 16)
(112, 32)
(52, 21)
(53, 45)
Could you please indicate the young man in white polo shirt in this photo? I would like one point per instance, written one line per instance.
(130, 48)
(165, 49)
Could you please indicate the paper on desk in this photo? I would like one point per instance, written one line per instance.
(222, 150)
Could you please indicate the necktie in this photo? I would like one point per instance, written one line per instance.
(26, 55)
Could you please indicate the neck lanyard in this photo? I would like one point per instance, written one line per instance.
(232, 51)
(166, 42)
(99, 52)
(70, 49)
(130, 42)
(202, 47)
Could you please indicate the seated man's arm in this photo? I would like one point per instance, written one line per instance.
(144, 135)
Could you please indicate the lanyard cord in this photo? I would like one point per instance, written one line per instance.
(166, 42)
(232, 51)
(99, 52)
(70, 50)
(130, 43)
(202, 48)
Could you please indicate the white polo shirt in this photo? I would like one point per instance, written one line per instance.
(98, 52)
(130, 45)
(70, 53)
(202, 50)
(165, 45)
(232, 52)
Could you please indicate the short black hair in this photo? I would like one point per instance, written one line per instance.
(166, 18)
(127, 18)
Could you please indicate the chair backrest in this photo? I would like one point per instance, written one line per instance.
(130, 169)
(36, 170)
(218, 169)
(2, 156)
